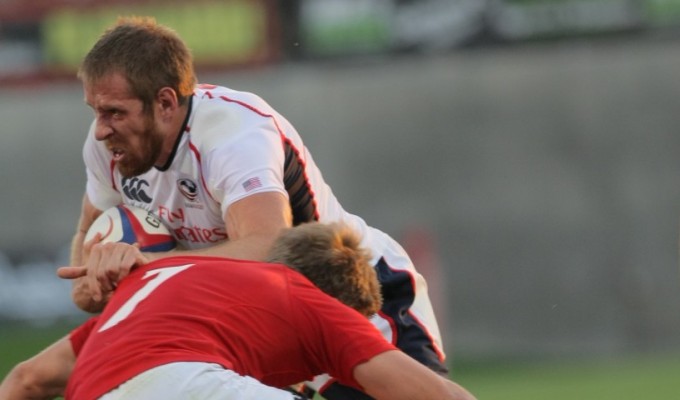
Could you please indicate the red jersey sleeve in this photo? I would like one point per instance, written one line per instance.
(80, 334)
(337, 337)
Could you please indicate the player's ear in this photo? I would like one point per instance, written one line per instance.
(167, 99)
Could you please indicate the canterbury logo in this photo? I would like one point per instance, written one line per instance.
(134, 189)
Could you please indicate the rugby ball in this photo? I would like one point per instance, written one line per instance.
(129, 224)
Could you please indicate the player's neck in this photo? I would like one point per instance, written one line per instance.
(173, 134)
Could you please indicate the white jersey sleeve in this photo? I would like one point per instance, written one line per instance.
(243, 150)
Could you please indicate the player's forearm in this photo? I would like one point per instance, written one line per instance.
(77, 248)
(457, 391)
(21, 385)
(393, 375)
(43, 376)
(253, 247)
(88, 214)
(80, 294)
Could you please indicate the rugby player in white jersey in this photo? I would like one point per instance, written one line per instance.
(224, 171)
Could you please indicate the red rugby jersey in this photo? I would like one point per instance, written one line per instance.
(262, 320)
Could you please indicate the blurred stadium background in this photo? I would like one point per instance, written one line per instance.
(525, 152)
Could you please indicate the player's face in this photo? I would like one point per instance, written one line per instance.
(130, 132)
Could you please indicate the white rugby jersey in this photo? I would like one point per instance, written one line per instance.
(234, 145)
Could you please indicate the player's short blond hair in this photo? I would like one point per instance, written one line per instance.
(149, 55)
(330, 256)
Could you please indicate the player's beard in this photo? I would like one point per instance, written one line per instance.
(141, 159)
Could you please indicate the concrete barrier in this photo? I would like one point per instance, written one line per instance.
(547, 175)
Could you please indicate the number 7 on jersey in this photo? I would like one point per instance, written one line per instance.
(161, 275)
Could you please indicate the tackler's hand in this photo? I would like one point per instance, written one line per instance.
(107, 264)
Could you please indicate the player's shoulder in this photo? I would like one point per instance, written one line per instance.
(210, 97)
(221, 115)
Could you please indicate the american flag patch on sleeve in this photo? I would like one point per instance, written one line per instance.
(252, 183)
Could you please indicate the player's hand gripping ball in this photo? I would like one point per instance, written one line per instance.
(129, 224)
